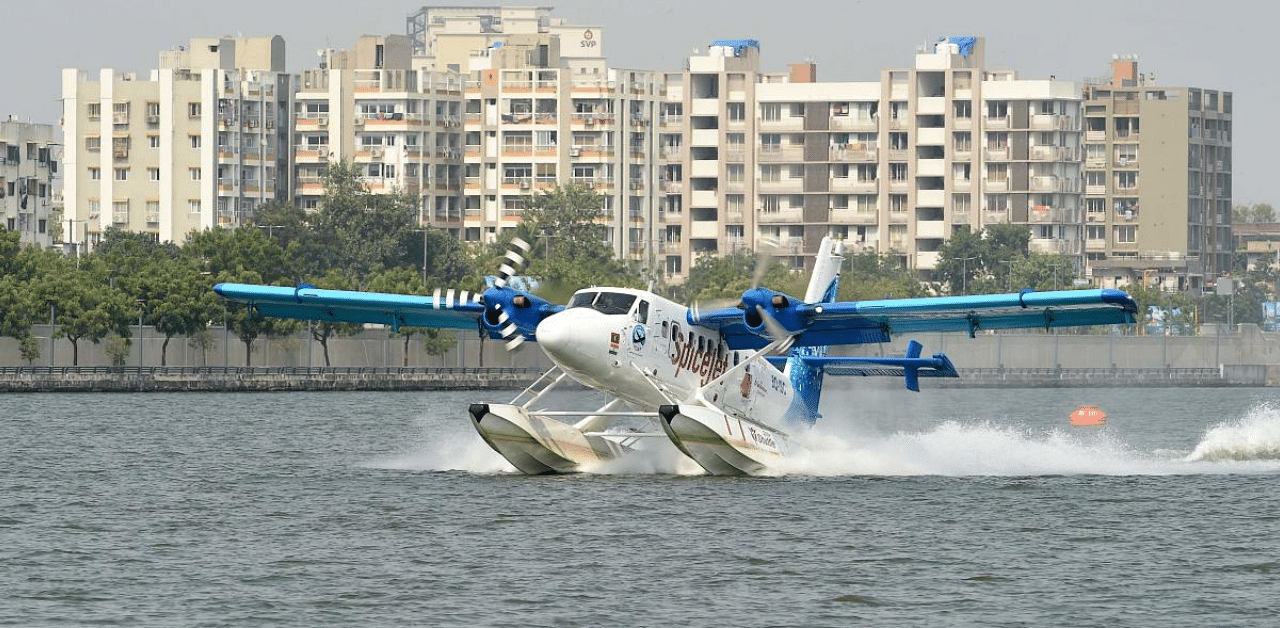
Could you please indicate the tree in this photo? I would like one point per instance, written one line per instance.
(29, 349)
(244, 255)
(1257, 212)
(405, 281)
(569, 248)
(869, 276)
(88, 307)
(322, 330)
(724, 278)
(359, 230)
(182, 301)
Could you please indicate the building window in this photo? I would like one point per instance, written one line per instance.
(153, 141)
(193, 110)
(866, 173)
(195, 140)
(963, 141)
(193, 206)
(196, 173)
(1126, 234)
(736, 111)
(95, 111)
(93, 144)
(153, 212)
(898, 171)
(997, 173)
(120, 212)
(121, 174)
(960, 204)
(963, 109)
(771, 111)
(897, 203)
(95, 174)
(865, 203)
(153, 174)
(1126, 180)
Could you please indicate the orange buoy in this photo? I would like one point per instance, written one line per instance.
(1088, 415)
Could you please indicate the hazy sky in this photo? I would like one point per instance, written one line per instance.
(1224, 44)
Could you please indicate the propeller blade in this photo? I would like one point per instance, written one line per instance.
(515, 262)
(775, 330)
(765, 250)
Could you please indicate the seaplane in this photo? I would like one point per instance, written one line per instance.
(731, 387)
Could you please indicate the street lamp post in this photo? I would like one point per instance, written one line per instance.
(964, 273)
(424, 256)
(142, 308)
(53, 308)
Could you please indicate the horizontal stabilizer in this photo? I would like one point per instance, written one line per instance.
(911, 367)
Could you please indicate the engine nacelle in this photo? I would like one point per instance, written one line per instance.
(509, 313)
(759, 304)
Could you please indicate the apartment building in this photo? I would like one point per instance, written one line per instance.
(892, 166)
(1157, 169)
(400, 126)
(199, 143)
(541, 109)
(28, 169)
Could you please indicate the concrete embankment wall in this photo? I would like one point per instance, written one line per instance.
(177, 379)
(1244, 356)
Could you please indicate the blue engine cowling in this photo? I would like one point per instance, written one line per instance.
(509, 312)
(759, 303)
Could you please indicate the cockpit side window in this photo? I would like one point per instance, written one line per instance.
(642, 312)
(582, 299)
(614, 303)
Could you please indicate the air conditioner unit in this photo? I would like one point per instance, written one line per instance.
(524, 185)
(576, 152)
(153, 119)
(591, 122)
(271, 123)
(323, 152)
(377, 152)
(323, 120)
(359, 121)
(253, 123)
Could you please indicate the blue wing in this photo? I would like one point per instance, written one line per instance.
(458, 310)
(856, 322)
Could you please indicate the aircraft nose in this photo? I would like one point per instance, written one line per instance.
(562, 337)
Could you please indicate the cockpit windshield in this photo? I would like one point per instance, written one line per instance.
(604, 302)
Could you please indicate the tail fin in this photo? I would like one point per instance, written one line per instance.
(806, 379)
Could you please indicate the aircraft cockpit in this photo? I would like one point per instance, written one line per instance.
(607, 302)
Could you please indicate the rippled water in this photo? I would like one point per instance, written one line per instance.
(945, 508)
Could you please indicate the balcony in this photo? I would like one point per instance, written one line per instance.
(853, 152)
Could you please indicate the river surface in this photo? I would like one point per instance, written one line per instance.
(943, 508)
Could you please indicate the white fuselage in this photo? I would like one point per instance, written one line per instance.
(639, 347)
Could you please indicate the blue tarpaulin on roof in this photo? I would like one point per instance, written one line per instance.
(964, 43)
(738, 45)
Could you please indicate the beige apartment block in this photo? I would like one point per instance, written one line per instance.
(400, 127)
(891, 167)
(541, 109)
(1157, 170)
(199, 143)
(28, 172)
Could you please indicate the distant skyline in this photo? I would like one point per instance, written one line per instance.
(1225, 45)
